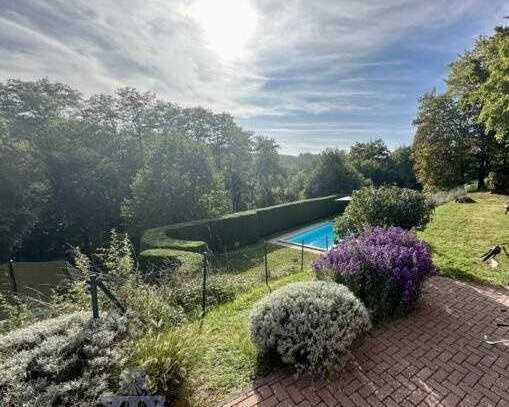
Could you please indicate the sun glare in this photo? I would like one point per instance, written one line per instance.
(227, 25)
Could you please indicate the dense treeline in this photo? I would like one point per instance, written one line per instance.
(463, 134)
(74, 167)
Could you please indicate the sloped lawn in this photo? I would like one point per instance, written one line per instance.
(460, 233)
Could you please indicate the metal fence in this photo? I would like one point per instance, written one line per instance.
(239, 270)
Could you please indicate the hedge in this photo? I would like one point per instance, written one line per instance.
(158, 238)
(241, 228)
(158, 259)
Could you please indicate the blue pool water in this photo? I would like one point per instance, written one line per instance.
(319, 237)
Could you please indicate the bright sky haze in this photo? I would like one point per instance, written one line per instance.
(311, 74)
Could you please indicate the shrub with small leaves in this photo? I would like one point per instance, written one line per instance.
(385, 268)
(384, 206)
(69, 360)
(310, 325)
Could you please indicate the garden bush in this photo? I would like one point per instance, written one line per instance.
(385, 268)
(384, 206)
(309, 324)
(69, 360)
(166, 360)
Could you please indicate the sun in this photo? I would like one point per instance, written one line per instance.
(227, 25)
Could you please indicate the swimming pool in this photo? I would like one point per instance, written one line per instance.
(319, 237)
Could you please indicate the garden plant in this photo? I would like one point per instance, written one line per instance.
(384, 267)
(310, 325)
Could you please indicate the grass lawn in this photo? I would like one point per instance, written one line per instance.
(230, 361)
(460, 233)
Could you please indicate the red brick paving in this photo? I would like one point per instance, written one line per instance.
(435, 357)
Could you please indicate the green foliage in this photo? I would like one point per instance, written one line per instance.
(498, 181)
(167, 359)
(333, 175)
(441, 144)
(479, 78)
(462, 135)
(170, 261)
(72, 167)
(373, 160)
(384, 206)
(242, 228)
(174, 183)
(16, 313)
(403, 165)
(158, 238)
(69, 360)
(310, 325)
(269, 174)
(22, 193)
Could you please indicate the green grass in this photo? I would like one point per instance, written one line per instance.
(460, 233)
(230, 361)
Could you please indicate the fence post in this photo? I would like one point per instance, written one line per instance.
(302, 256)
(93, 295)
(266, 264)
(204, 285)
(12, 277)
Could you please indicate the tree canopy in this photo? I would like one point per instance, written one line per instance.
(462, 135)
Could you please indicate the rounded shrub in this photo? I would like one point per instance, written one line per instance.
(310, 325)
(385, 268)
(384, 206)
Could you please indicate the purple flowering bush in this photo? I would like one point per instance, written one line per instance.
(384, 267)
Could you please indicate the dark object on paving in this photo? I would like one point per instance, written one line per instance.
(464, 199)
(506, 208)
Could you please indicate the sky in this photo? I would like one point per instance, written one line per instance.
(311, 74)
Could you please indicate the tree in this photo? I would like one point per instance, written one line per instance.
(404, 168)
(268, 173)
(22, 193)
(176, 184)
(480, 80)
(373, 160)
(441, 148)
(333, 175)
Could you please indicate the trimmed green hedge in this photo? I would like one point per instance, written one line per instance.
(241, 228)
(158, 238)
(170, 259)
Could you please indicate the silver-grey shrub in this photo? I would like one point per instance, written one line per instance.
(310, 325)
(69, 360)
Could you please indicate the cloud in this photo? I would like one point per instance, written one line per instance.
(325, 61)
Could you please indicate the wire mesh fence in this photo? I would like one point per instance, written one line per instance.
(220, 277)
(259, 264)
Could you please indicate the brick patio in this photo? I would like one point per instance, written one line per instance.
(436, 357)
